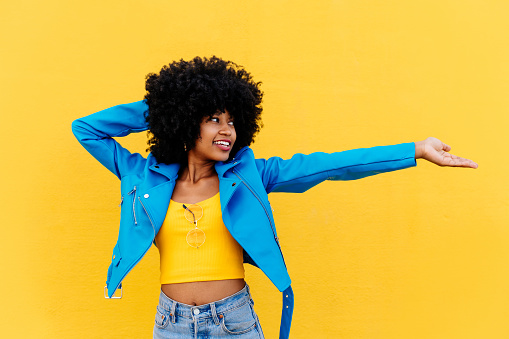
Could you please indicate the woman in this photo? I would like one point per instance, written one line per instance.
(201, 196)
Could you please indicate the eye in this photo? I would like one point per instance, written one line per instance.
(215, 119)
(230, 123)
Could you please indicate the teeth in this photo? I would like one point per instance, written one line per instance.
(225, 143)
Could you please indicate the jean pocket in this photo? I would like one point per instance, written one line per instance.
(162, 317)
(239, 320)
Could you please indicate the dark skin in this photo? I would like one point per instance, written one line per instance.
(196, 182)
(199, 181)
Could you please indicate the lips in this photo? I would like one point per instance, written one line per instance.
(224, 145)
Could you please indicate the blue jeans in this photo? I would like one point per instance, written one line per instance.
(232, 316)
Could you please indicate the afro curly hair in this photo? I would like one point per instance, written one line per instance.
(184, 92)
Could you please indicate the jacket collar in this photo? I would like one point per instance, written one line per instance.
(171, 170)
(168, 170)
(222, 167)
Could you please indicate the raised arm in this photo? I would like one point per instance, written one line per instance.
(95, 132)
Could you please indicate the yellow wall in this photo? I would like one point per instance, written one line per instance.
(420, 253)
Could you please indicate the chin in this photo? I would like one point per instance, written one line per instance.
(223, 159)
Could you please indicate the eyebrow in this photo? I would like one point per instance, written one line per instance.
(218, 112)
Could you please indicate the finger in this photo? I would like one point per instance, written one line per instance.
(446, 147)
(456, 161)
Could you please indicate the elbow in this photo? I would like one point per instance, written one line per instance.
(77, 129)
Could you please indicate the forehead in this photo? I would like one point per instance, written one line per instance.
(218, 114)
(225, 112)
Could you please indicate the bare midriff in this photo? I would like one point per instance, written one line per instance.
(202, 292)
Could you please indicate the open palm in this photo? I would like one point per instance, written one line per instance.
(437, 152)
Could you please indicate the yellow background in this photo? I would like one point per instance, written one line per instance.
(419, 253)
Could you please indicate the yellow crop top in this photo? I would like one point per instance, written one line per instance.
(219, 257)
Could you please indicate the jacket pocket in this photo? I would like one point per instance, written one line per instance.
(133, 194)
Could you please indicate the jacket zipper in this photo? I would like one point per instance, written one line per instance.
(149, 218)
(134, 199)
(267, 213)
(121, 201)
(144, 252)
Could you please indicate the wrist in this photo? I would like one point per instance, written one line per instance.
(419, 149)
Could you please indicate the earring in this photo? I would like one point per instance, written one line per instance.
(185, 147)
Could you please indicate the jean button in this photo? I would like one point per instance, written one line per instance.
(196, 311)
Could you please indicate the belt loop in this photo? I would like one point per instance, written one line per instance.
(214, 314)
(172, 311)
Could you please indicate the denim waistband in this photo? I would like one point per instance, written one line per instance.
(224, 305)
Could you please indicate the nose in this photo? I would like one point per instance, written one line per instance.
(225, 130)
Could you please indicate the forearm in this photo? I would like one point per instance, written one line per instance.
(304, 171)
(116, 121)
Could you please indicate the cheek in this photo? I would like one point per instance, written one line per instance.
(206, 134)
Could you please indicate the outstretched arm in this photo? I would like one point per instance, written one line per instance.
(302, 171)
(436, 151)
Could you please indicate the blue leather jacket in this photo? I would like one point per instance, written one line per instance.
(244, 184)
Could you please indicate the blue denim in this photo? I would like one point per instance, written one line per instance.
(232, 316)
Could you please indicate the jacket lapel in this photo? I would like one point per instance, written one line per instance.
(162, 192)
(170, 171)
(227, 187)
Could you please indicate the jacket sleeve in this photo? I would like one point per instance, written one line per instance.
(95, 132)
(302, 172)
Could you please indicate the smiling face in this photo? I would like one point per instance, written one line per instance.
(217, 136)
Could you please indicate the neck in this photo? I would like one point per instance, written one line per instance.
(197, 170)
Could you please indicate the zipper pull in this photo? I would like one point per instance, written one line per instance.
(121, 201)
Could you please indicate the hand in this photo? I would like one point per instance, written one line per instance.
(436, 152)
